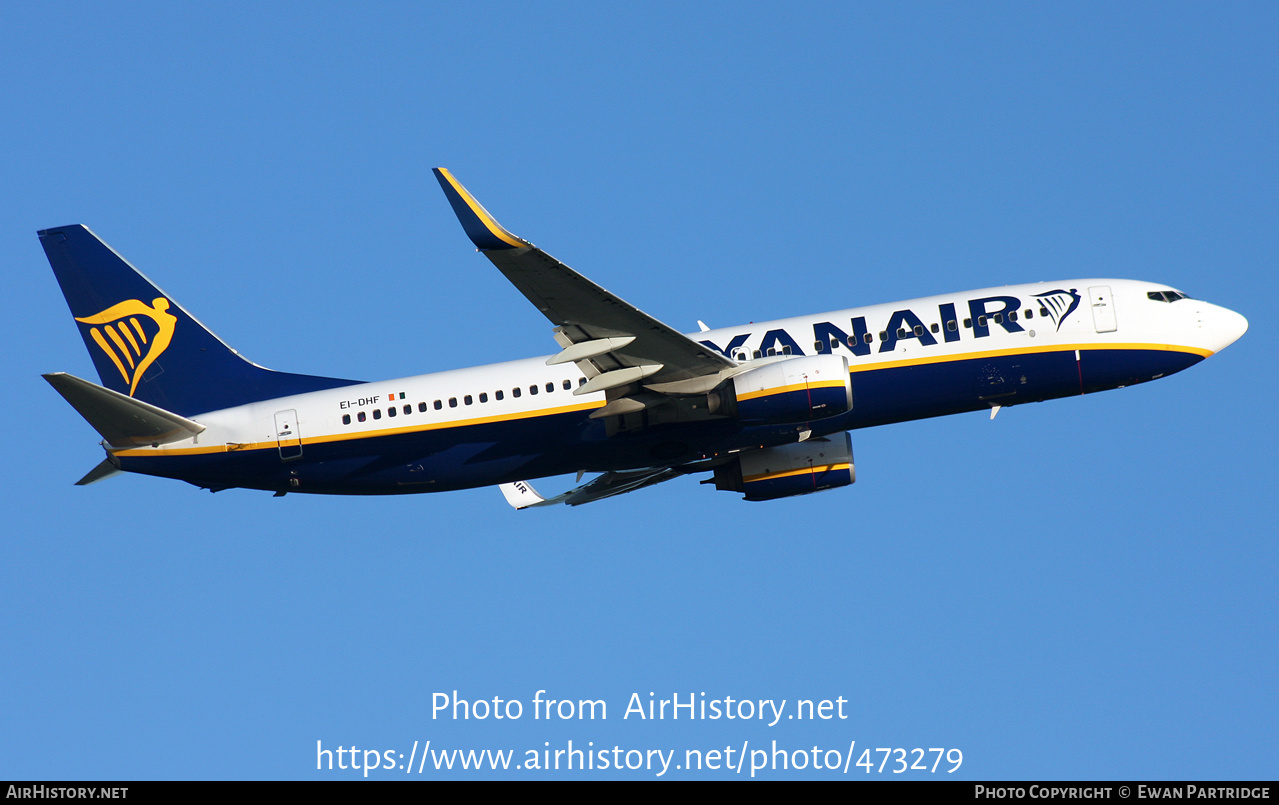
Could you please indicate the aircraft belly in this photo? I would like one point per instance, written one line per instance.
(1116, 368)
(919, 391)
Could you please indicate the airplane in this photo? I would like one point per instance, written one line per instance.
(765, 408)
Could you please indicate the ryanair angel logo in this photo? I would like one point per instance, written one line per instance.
(1059, 304)
(135, 335)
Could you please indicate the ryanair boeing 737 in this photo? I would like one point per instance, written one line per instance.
(765, 408)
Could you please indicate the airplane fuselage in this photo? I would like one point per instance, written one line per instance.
(765, 408)
(520, 419)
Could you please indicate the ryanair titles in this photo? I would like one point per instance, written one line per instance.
(999, 311)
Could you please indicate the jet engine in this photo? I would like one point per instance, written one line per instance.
(800, 389)
(792, 469)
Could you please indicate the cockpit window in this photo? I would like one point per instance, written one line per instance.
(1166, 296)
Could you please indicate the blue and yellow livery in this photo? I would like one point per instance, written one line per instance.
(765, 408)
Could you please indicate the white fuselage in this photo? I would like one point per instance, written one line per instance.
(919, 332)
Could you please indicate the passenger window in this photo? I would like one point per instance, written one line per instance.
(868, 338)
(438, 405)
(999, 318)
(772, 352)
(935, 328)
(499, 395)
(568, 384)
(1043, 311)
(515, 392)
(467, 399)
(951, 325)
(484, 397)
(452, 402)
(408, 409)
(817, 347)
(919, 329)
(1028, 314)
(377, 413)
(532, 389)
(1012, 315)
(391, 411)
(360, 416)
(968, 323)
(757, 353)
(550, 387)
(346, 419)
(421, 408)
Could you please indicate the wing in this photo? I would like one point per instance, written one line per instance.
(620, 348)
(522, 496)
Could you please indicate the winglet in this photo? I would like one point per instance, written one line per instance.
(481, 228)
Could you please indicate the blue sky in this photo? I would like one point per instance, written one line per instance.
(1080, 589)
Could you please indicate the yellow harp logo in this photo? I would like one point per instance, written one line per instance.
(131, 345)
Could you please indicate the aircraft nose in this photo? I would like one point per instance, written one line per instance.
(1227, 326)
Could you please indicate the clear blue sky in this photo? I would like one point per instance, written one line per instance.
(1080, 589)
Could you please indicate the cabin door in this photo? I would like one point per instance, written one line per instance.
(1103, 309)
(287, 434)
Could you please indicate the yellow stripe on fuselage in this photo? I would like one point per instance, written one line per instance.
(364, 434)
(460, 423)
(997, 353)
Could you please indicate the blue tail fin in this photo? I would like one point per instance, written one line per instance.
(147, 346)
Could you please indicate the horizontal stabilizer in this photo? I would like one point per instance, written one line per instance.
(99, 473)
(122, 420)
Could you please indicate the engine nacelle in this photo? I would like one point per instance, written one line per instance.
(792, 469)
(799, 389)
